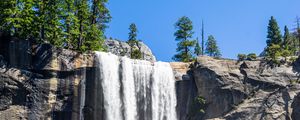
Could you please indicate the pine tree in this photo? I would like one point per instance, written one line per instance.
(183, 34)
(133, 42)
(132, 35)
(71, 25)
(100, 14)
(211, 47)
(17, 17)
(53, 25)
(99, 17)
(286, 44)
(83, 22)
(198, 50)
(274, 35)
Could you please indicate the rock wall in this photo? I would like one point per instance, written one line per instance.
(43, 82)
(49, 87)
(249, 90)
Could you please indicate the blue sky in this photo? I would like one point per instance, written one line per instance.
(239, 26)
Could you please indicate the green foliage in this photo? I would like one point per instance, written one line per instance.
(198, 49)
(73, 24)
(136, 54)
(201, 103)
(293, 59)
(17, 17)
(132, 38)
(285, 53)
(273, 52)
(133, 42)
(287, 41)
(183, 34)
(251, 56)
(241, 57)
(274, 35)
(211, 47)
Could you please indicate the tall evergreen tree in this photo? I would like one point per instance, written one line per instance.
(17, 17)
(53, 25)
(100, 14)
(99, 17)
(198, 50)
(286, 38)
(133, 42)
(212, 48)
(83, 22)
(71, 26)
(184, 33)
(274, 35)
(75, 24)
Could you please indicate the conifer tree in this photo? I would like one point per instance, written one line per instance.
(53, 26)
(198, 50)
(17, 17)
(71, 26)
(286, 44)
(75, 24)
(211, 47)
(83, 22)
(183, 34)
(133, 42)
(274, 35)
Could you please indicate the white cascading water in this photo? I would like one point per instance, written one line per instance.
(109, 75)
(136, 89)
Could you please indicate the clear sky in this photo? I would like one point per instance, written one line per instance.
(239, 26)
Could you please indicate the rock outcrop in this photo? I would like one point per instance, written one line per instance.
(121, 48)
(49, 88)
(249, 90)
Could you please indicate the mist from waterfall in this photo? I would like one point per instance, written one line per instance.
(136, 89)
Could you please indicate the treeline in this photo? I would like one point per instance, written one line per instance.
(72, 24)
(189, 48)
(278, 45)
(281, 46)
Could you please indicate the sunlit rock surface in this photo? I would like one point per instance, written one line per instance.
(121, 48)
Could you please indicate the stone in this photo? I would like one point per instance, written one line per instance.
(121, 48)
(247, 90)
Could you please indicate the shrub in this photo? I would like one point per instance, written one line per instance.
(251, 56)
(241, 57)
(293, 59)
(136, 54)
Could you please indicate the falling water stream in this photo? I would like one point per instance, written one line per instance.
(136, 89)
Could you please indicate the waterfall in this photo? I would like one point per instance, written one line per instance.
(136, 89)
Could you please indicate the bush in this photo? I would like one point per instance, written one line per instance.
(241, 57)
(285, 54)
(136, 54)
(293, 59)
(273, 52)
(251, 56)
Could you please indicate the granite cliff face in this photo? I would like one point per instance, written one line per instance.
(43, 82)
(249, 90)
